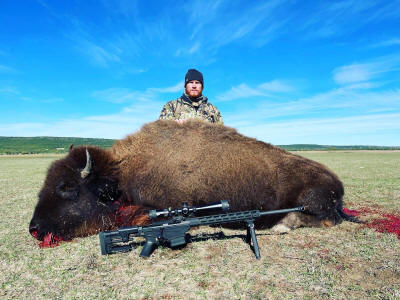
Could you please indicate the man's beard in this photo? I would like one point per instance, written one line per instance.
(194, 94)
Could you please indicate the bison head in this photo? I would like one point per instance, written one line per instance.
(79, 196)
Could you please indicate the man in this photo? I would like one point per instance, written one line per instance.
(192, 104)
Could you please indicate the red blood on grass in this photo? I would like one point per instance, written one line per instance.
(366, 210)
(389, 224)
(361, 211)
(351, 212)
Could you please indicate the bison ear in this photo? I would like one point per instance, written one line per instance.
(70, 147)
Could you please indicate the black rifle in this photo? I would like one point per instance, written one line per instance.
(172, 232)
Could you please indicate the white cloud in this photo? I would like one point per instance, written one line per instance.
(9, 90)
(390, 42)
(9, 70)
(355, 130)
(113, 126)
(71, 128)
(353, 73)
(114, 95)
(375, 129)
(17, 94)
(172, 89)
(238, 92)
(103, 51)
(52, 100)
(347, 115)
(371, 118)
(276, 86)
(332, 18)
(264, 89)
(127, 8)
(259, 22)
(361, 72)
(383, 11)
(98, 55)
(123, 95)
(129, 119)
(195, 48)
(334, 102)
(202, 12)
(100, 50)
(364, 85)
(218, 23)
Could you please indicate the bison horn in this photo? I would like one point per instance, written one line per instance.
(86, 171)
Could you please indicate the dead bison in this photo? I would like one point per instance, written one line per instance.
(165, 164)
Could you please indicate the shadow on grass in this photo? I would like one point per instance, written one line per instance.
(125, 247)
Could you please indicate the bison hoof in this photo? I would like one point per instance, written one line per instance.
(280, 229)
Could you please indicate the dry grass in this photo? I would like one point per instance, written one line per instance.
(344, 262)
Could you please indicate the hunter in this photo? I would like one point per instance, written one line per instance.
(192, 104)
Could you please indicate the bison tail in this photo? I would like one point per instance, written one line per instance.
(347, 217)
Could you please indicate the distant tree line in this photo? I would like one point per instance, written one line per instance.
(33, 145)
(305, 147)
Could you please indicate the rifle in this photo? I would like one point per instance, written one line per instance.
(172, 232)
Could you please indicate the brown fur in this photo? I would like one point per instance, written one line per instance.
(166, 163)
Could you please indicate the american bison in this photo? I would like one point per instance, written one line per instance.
(165, 164)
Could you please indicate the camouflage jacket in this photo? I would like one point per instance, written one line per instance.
(183, 109)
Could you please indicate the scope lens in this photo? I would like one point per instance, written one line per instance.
(224, 205)
(152, 214)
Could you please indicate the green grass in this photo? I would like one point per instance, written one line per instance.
(347, 261)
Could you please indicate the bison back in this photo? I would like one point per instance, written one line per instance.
(167, 163)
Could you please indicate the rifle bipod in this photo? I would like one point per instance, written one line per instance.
(251, 236)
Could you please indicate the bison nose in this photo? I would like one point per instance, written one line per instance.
(33, 230)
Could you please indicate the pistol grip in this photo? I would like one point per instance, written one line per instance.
(149, 246)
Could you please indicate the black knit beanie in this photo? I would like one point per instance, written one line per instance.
(193, 74)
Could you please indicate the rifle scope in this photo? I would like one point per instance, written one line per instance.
(185, 210)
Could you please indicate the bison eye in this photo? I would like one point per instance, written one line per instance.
(66, 191)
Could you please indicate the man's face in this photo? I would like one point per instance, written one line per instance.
(194, 88)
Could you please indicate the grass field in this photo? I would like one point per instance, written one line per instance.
(348, 261)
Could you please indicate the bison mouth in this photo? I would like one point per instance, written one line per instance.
(48, 241)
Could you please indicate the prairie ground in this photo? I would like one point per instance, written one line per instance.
(348, 261)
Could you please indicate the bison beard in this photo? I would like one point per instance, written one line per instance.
(165, 164)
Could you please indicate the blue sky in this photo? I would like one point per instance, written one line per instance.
(285, 72)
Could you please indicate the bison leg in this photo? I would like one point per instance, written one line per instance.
(290, 221)
(280, 229)
(295, 220)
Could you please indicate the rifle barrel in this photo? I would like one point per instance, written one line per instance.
(281, 211)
